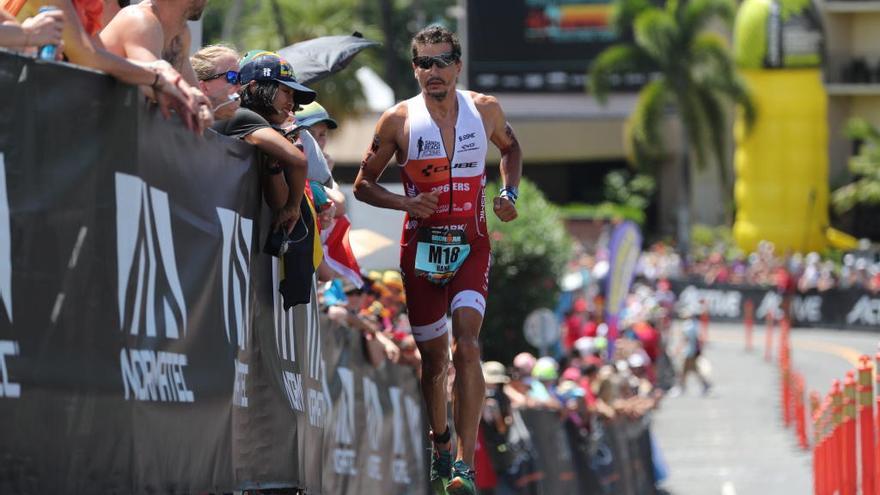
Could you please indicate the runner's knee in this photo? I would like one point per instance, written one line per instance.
(467, 351)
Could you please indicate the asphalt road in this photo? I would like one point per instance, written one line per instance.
(732, 442)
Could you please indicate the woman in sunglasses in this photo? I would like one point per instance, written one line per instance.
(216, 68)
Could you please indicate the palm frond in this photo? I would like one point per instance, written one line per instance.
(716, 130)
(647, 118)
(656, 33)
(711, 53)
(616, 60)
(698, 13)
(735, 89)
(624, 14)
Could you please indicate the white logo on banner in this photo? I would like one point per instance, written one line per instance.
(8, 389)
(399, 468)
(770, 305)
(344, 455)
(235, 269)
(319, 400)
(5, 243)
(236, 273)
(414, 420)
(145, 259)
(145, 246)
(719, 302)
(374, 428)
(866, 312)
(285, 342)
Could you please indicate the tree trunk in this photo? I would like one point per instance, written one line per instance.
(683, 225)
(230, 20)
(279, 23)
(386, 12)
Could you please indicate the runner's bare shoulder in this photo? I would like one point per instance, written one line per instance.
(392, 125)
(486, 104)
(490, 111)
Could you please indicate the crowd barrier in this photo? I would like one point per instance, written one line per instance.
(557, 457)
(143, 344)
(836, 308)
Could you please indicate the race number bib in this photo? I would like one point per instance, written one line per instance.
(440, 252)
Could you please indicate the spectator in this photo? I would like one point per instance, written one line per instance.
(377, 345)
(315, 120)
(692, 351)
(45, 28)
(542, 389)
(161, 81)
(267, 101)
(216, 68)
(153, 30)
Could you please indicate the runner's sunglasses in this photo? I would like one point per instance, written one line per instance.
(442, 61)
(231, 77)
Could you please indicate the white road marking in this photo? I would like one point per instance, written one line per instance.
(728, 489)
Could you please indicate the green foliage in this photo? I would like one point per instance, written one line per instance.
(693, 75)
(706, 239)
(605, 210)
(528, 257)
(627, 197)
(250, 24)
(865, 166)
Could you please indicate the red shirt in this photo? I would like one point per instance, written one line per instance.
(485, 473)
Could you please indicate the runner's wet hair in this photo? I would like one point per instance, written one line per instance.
(259, 97)
(433, 35)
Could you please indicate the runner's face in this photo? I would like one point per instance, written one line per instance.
(437, 82)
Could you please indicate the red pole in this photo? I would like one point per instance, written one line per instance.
(877, 423)
(836, 453)
(785, 373)
(800, 411)
(749, 308)
(818, 445)
(768, 340)
(849, 429)
(866, 425)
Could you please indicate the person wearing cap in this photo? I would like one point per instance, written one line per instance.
(269, 93)
(315, 118)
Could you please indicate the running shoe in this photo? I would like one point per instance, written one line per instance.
(462, 482)
(441, 470)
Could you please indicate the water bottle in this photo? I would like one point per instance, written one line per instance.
(48, 52)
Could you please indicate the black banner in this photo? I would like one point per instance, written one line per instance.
(143, 345)
(837, 308)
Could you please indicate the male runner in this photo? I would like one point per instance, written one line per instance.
(440, 138)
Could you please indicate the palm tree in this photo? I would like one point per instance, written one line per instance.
(692, 74)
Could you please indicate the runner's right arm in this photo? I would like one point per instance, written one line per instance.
(382, 149)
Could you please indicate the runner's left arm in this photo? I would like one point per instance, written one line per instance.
(511, 156)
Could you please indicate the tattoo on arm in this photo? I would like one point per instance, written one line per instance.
(513, 142)
(374, 148)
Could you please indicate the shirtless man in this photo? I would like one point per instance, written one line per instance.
(159, 80)
(154, 30)
(440, 138)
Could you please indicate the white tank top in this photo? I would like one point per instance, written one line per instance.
(461, 178)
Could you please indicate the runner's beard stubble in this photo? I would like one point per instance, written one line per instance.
(440, 94)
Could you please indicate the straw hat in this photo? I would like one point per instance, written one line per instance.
(494, 373)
